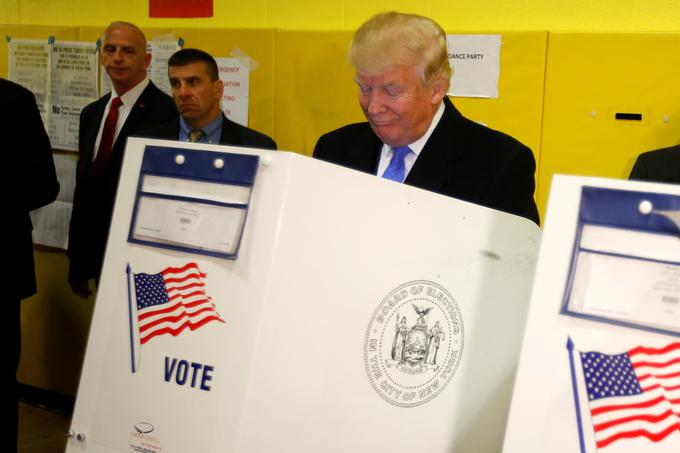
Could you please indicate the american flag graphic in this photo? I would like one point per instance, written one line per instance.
(633, 394)
(171, 301)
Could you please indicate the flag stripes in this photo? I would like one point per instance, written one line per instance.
(634, 394)
(171, 301)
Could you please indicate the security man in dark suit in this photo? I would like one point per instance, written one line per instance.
(197, 91)
(414, 134)
(661, 165)
(29, 182)
(134, 105)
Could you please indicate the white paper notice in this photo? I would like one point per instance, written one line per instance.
(29, 66)
(628, 276)
(189, 224)
(475, 60)
(236, 77)
(73, 86)
(162, 48)
(50, 223)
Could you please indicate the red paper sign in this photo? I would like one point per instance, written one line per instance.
(180, 8)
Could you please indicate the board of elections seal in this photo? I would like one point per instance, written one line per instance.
(414, 343)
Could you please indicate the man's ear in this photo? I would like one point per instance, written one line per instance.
(219, 89)
(439, 87)
(147, 60)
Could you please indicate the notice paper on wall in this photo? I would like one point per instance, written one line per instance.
(476, 62)
(50, 223)
(29, 63)
(162, 48)
(235, 75)
(63, 78)
(73, 86)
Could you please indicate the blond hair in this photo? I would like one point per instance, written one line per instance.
(393, 38)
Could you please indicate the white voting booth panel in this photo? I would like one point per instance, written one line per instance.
(600, 362)
(359, 315)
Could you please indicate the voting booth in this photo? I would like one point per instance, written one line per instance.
(258, 301)
(600, 362)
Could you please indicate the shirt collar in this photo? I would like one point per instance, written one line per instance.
(419, 144)
(130, 97)
(210, 130)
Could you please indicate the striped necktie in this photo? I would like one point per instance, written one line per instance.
(195, 135)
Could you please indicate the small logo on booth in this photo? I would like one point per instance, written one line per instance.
(414, 343)
(143, 427)
(142, 440)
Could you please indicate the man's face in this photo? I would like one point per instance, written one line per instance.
(124, 57)
(397, 105)
(197, 97)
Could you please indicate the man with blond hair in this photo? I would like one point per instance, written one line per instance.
(134, 105)
(414, 134)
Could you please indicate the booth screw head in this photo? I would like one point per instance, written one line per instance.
(645, 207)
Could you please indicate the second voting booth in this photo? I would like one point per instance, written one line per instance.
(259, 301)
(600, 362)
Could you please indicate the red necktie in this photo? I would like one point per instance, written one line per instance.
(106, 142)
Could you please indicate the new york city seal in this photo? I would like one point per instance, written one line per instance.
(414, 343)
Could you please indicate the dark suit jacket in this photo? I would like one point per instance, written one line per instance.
(661, 165)
(29, 182)
(232, 134)
(94, 196)
(461, 159)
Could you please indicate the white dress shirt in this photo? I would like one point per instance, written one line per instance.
(386, 152)
(128, 101)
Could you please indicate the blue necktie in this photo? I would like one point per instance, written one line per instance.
(396, 170)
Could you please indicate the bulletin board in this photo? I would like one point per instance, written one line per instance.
(30, 32)
(590, 78)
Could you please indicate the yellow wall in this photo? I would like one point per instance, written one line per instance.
(591, 77)
(566, 15)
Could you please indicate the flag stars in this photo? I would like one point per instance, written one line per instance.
(150, 290)
(608, 376)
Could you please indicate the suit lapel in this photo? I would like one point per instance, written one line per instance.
(135, 117)
(98, 114)
(437, 163)
(365, 154)
(229, 134)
